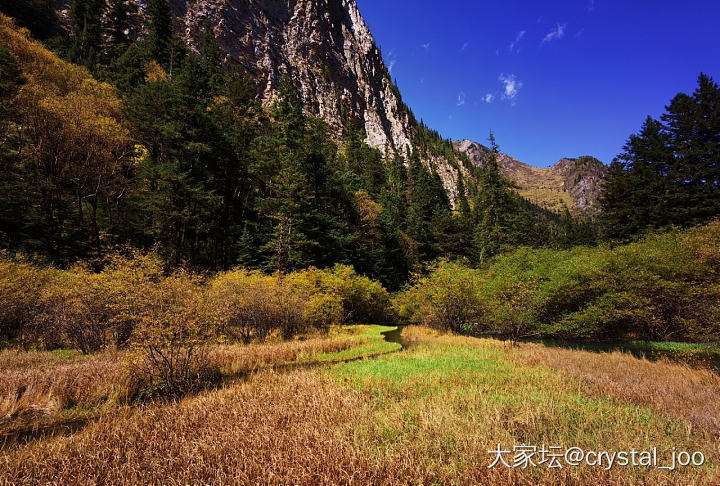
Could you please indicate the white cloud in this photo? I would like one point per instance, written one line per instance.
(517, 40)
(512, 87)
(461, 98)
(557, 33)
(391, 59)
(488, 98)
(426, 46)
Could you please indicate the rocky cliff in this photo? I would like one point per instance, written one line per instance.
(570, 183)
(324, 46)
(329, 53)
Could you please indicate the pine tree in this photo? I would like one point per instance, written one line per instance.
(453, 232)
(427, 199)
(291, 201)
(669, 172)
(394, 195)
(86, 31)
(635, 194)
(362, 161)
(160, 32)
(119, 25)
(495, 207)
(288, 114)
(693, 125)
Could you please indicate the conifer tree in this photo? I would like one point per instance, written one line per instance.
(463, 222)
(668, 173)
(426, 199)
(692, 123)
(634, 195)
(290, 205)
(160, 31)
(119, 25)
(86, 31)
(495, 207)
(363, 161)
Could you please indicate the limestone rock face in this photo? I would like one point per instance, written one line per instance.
(324, 46)
(572, 184)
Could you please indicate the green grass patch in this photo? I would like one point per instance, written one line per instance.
(676, 346)
(449, 396)
(370, 342)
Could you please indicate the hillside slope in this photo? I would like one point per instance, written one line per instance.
(327, 50)
(572, 184)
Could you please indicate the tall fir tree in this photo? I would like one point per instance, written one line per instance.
(119, 26)
(496, 207)
(668, 173)
(160, 33)
(693, 125)
(290, 205)
(86, 29)
(635, 195)
(427, 200)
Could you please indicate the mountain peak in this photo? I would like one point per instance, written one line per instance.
(570, 183)
(324, 46)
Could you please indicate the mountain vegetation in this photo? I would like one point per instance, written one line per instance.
(152, 145)
(663, 287)
(139, 143)
(571, 184)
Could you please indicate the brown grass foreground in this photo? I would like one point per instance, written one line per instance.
(41, 389)
(693, 394)
(295, 429)
(427, 415)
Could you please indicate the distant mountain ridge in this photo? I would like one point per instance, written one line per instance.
(571, 183)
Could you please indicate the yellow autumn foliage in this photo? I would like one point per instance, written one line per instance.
(134, 301)
(70, 124)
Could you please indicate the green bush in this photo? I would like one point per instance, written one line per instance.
(447, 298)
(666, 286)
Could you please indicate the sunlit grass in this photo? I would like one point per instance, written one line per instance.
(425, 415)
(43, 388)
(369, 339)
(450, 400)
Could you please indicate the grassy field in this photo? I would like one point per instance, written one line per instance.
(427, 414)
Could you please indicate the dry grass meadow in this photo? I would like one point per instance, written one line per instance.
(427, 414)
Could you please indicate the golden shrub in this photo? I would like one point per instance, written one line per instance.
(73, 309)
(20, 286)
(170, 339)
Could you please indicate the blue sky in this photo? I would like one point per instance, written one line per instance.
(552, 79)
